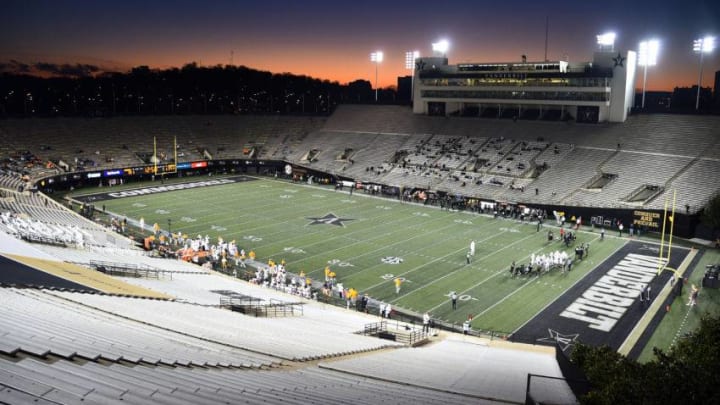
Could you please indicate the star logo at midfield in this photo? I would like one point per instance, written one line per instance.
(329, 219)
(619, 60)
(564, 341)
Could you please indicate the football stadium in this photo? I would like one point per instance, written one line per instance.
(299, 264)
(454, 249)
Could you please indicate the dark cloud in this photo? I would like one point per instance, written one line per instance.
(49, 69)
(14, 66)
(65, 69)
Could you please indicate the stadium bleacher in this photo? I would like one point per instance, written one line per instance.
(450, 366)
(374, 134)
(34, 380)
(633, 170)
(36, 320)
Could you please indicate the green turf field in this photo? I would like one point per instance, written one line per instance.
(424, 245)
(683, 319)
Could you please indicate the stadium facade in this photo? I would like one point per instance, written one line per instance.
(601, 90)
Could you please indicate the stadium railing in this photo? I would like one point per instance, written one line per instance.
(261, 308)
(129, 270)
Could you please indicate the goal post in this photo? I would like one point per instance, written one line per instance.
(664, 262)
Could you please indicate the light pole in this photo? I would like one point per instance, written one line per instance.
(410, 65)
(648, 57)
(702, 46)
(376, 57)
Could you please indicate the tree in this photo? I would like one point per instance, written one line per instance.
(685, 374)
(711, 212)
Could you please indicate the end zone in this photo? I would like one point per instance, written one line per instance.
(605, 306)
(133, 192)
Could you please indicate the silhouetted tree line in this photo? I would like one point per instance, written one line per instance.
(685, 374)
(191, 89)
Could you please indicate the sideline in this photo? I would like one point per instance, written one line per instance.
(643, 323)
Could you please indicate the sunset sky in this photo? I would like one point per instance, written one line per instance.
(333, 39)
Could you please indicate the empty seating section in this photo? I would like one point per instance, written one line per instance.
(633, 170)
(683, 135)
(10, 180)
(285, 149)
(52, 324)
(375, 119)
(391, 145)
(95, 383)
(712, 151)
(299, 338)
(686, 135)
(208, 289)
(413, 176)
(463, 365)
(335, 150)
(88, 140)
(552, 155)
(572, 173)
(694, 186)
(373, 158)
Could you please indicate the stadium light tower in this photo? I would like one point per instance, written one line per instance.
(441, 47)
(648, 57)
(702, 46)
(410, 58)
(606, 41)
(376, 57)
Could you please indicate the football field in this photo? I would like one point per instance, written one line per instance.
(369, 241)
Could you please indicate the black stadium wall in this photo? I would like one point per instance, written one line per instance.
(686, 226)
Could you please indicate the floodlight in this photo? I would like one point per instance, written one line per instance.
(702, 46)
(441, 46)
(648, 52)
(410, 59)
(376, 57)
(606, 39)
